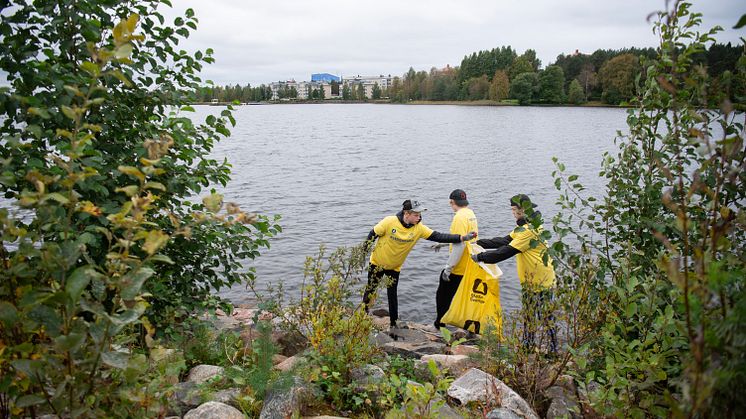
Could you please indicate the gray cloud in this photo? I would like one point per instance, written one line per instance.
(259, 42)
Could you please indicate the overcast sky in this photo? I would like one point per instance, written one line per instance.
(263, 41)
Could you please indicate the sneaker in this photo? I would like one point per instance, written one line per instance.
(398, 325)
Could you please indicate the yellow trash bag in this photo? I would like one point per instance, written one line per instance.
(477, 300)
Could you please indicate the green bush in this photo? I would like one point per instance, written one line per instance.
(102, 164)
(662, 252)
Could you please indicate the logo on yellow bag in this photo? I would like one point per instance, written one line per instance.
(476, 289)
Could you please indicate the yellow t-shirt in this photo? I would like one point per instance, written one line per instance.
(464, 221)
(531, 269)
(395, 241)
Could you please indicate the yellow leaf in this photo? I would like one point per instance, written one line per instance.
(68, 112)
(154, 241)
(125, 51)
(149, 162)
(154, 185)
(132, 22)
(213, 202)
(130, 190)
(132, 171)
(90, 208)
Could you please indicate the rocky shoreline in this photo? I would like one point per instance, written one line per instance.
(421, 343)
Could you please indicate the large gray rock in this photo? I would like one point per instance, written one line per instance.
(202, 373)
(564, 399)
(367, 375)
(289, 363)
(214, 410)
(285, 403)
(502, 413)
(456, 364)
(185, 397)
(228, 396)
(379, 339)
(478, 386)
(414, 349)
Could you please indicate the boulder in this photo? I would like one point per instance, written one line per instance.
(214, 410)
(289, 343)
(285, 403)
(478, 386)
(456, 364)
(380, 312)
(564, 399)
(203, 373)
(185, 396)
(464, 349)
(278, 359)
(228, 396)
(378, 339)
(502, 413)
(289, 363)
(367, 375)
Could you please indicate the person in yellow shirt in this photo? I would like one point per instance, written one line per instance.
(537, 279)
(464, 221)
(396, 236)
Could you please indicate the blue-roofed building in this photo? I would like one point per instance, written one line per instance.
(325, 77)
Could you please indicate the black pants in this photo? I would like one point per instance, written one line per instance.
(444, 296)
(375, 275)
(537, 309)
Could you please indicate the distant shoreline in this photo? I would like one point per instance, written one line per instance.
(593, 104)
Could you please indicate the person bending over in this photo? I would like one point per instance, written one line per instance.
(395, 237)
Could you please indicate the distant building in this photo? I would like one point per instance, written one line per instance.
(325, 77)
(368, 82)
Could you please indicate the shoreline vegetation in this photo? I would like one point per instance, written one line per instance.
(111, 270)
(484, 102)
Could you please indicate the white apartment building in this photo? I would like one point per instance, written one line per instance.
(368, 82)
(304, 88)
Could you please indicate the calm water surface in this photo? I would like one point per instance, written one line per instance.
(334, 170)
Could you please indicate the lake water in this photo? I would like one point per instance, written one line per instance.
(334, 170)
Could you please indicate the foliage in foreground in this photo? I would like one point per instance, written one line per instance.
(102, 248)
(662, 252)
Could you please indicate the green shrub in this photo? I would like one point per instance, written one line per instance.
(662, 251)
(101, 162)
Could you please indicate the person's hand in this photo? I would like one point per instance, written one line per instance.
(475, 257)
(444, 276)
(436, 247)
(469, 236)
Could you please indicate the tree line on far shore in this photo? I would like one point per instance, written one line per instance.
(605, 76)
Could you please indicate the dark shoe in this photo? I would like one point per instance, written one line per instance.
(398, 325)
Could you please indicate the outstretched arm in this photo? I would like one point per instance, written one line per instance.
(450, 238)
(494, 256)
(495, 242)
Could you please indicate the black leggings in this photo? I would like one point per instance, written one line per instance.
(375, 274)
(444, 296)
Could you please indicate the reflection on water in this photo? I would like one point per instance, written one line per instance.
(333, 171)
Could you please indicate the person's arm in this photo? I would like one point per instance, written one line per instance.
(450, 238)
(372, 236)
(495, 242)
(499, 255)
(456, 251)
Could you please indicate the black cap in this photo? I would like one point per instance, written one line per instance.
(413, 205)
(522, 201)
(459, 197)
